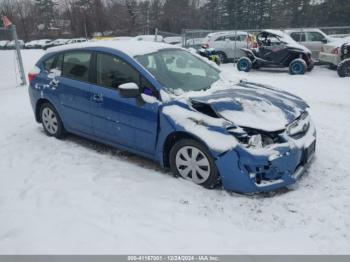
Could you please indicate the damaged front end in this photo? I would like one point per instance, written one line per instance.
(263, 161)
(275, 134)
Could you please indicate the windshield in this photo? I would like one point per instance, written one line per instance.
(179, 69)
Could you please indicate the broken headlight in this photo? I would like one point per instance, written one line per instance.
(252, 138)
(300, 126)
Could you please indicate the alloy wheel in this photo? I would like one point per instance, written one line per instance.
(49, 120)
(192, 164)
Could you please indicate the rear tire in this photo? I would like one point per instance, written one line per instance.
(297, 67)
(344, 68)
(191, 160)
(223, 57)
(51, 121)
(244, 64)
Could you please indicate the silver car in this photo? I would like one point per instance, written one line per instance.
(312, 38)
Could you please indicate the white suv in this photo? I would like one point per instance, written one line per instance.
(312, 38)
(228, 44)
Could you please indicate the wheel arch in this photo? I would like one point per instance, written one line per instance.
(38, 106)
(171, 140)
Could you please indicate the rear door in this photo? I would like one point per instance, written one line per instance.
(125, 121)
(74, 90)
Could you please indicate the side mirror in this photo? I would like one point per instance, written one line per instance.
(54, 73)
(129, 90)
(324, 40)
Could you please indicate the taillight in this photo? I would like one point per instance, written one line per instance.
(205, 46)
(335, 51)
(255, 45)
(33, 73)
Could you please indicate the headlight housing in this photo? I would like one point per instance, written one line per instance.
(300, 126)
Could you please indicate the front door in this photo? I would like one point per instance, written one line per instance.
(129, 122)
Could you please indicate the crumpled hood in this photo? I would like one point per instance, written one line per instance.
(255, 106)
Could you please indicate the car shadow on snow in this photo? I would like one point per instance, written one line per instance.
(103, 149)
(273, 70)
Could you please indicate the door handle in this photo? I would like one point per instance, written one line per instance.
(98, 98)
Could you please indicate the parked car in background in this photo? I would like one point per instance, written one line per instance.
(42, 43)
(57, 42)
(228, 44)
(30, 44)
(312, 38)
(122, 38)
(3, 44)
(195, 43)
(332, 53)
(276, 49)
(167, 104)
(76, 40)
(149, 38)
(12, 44)
(339, 36)
(173, 40)
(37, 44)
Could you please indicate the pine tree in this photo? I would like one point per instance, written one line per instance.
(46, 10)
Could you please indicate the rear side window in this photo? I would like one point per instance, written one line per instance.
(221, 38)
(113, 72)
(298, 36)
(76, 66)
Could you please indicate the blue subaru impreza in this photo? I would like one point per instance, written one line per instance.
(169, 105)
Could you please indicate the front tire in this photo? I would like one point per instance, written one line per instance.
(244, 64)
(344, 68)
(297, 67)
(51, 121)
(191, 160)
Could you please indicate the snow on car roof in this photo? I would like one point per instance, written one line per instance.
(339, 42)
(287, 39)
(227, 33)
(131, 48)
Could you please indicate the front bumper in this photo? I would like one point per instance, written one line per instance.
(245, 171)
(328, 58)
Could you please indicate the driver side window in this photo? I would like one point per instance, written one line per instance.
(113, 72)
(315, 37)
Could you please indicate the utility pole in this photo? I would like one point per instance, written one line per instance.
(19, 56)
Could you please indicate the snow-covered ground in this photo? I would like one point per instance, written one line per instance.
(79, 197)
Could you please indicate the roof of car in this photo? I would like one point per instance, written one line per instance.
(274, 32)
(131, 48)
(303, 30)
(221, 33)
(287, 39)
